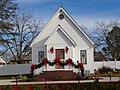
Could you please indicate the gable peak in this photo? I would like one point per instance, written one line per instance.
(61, 9)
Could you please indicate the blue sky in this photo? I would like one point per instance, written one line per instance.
(85, 12)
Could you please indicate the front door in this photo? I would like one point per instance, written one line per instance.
(60, 54)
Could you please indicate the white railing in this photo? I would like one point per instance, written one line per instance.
(14, 69)
(53, 68)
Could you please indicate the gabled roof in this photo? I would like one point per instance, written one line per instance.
(61, 9)
(75, 23)
(63, 31)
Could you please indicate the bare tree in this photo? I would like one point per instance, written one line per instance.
(18, 40)
(101, 39)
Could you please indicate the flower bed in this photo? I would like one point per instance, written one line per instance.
(68, 86)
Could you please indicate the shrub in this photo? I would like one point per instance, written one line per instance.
(97, 73)
(8, 87)
(37, 87)
(110, 73)
(24, 78)
(104, 70)
(89, 77)
(22, 87)
(28, 78)
(53, 87)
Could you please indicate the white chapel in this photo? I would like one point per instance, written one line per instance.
(63, 38)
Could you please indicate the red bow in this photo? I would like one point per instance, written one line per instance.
(67, 49)
(33, 66)
(45, 60)
(52, 50)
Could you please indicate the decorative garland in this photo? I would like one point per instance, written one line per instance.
(57, 62)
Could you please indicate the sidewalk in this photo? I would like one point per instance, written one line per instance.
(104, 79)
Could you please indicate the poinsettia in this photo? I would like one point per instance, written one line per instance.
(57, 61)
(69, 61)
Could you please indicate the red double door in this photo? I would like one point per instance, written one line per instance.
(60, 53)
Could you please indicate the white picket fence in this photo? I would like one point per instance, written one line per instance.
(111, 64)
(14, 69)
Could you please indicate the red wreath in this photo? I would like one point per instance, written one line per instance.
(52, 50)
(67, 49)
(57, 61)
(45, 60)
(69, 61)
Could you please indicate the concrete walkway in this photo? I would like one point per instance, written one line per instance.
(103, 79)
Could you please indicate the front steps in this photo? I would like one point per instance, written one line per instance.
(57, 75)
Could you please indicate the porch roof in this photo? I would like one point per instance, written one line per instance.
(63, 31)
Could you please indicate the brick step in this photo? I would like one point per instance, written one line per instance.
(39, 77)
(57, 75)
